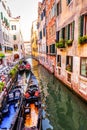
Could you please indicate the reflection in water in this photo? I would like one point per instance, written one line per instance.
(61, 109)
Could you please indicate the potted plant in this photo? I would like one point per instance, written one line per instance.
(2, 55)
(68, 67)
(82, 39)
(69, 42)
(13, 71)
(1, 86)
(60, 44)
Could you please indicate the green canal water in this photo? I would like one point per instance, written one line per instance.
(62, 110)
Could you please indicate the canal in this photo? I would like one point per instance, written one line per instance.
(62, 110)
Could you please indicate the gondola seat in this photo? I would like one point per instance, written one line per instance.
(27, 111)
(6, 109)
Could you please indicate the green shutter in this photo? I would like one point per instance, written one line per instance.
(81, 25)
(66, 33)
(61, 33)
(73, 25)
(1, 15)
(71, 63)
(14, 37)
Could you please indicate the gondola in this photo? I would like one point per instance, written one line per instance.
(27, 67)
(30, 115)
(21, 67)
(10, 109)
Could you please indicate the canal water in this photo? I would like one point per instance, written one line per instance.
(62, 110)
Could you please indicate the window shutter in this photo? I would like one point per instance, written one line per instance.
(72, 63)
(81, 24)
(46, 49)
(50, 48)
(1, 15)
(57, 36)
(66, 33)
(40, 34)
(14, 37)
(53, 48)
(60, 6)
(73, 25)
(67, 60)
(61, 33)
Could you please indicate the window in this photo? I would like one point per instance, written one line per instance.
(40, 34)
(14, 37)
(46, 49)
(58, 8)
(69, 63)
(44, 31)
(52, 48)
(69, 31)
(53, 11)
(58, 60)
(63, 33)
(57, 36)
(83, 25)
(1, 15)
(38, 24)
(15, 47)
(83, 66)
(41, 16)
(13, 27)
(44, 12)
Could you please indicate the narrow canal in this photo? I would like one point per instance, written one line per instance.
(62, 110)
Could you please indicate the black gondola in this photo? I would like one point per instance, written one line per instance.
(30, 115)
(10, 109)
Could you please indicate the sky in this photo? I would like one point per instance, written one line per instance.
(27, 9)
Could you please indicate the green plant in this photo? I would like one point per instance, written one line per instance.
(69, 42)
(68, 67)
(60, 44)
(14, 71)
(1, 86)
(2, 55)
(82, 39)
(20, 62)
(9, 51)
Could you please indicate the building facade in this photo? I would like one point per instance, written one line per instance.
(5, 46)
(16, 39)
(66, 38)
(41, 26)
(71, 45)
(34, 45)
(10, 36)
(50, 35)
